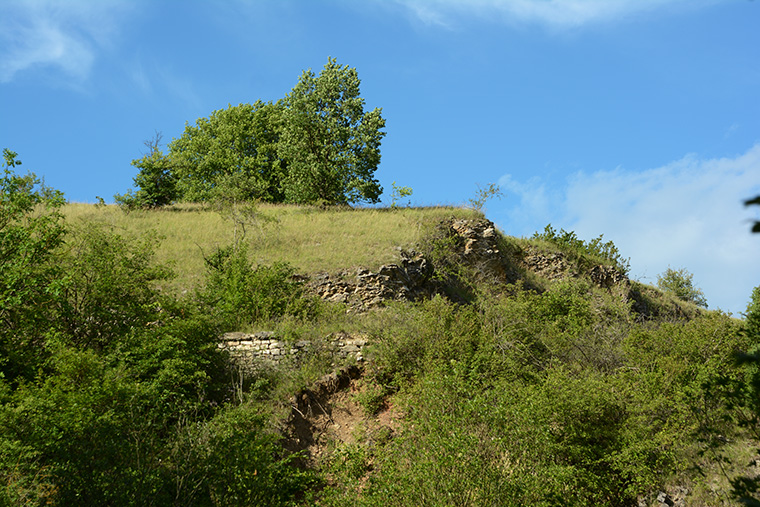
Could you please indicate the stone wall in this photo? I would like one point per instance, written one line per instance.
(247, 349)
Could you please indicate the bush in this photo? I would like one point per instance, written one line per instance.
(242, 294)
(679, 283)
(109, 287)
(156, 182)
(31, 231)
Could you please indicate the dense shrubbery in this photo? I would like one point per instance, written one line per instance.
(241, 294)
(111, 393)
(558, 398)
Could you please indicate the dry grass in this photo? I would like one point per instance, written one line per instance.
(308, 238)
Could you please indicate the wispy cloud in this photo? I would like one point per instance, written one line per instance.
(554, 13)
(49, 34)
(687, 213)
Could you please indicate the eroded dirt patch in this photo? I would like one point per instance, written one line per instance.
(328, 415)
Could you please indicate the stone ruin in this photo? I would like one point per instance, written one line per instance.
(265, 347)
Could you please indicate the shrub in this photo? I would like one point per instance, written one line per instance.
(243, 294)
(679, 283)
(398, 194)
(109, 286)
(484, 194)
(31, 231)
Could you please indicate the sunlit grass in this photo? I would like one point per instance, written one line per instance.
(308, 238)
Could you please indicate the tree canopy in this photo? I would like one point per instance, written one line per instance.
(317, 145)
(240, 140)
(332, 145)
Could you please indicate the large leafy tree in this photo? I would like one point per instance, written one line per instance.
(331, 144)
(239, 141)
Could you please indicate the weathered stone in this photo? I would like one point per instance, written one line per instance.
(247, 349)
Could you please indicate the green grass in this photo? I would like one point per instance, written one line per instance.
(308, 238)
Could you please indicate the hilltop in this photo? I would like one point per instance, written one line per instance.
(306, 355)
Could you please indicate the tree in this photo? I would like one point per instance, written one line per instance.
(156, 183)
(331, 144)
(679, 283)
(240, 140)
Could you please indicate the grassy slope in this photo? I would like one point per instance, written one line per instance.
(309, 239)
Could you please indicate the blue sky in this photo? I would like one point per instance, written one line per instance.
(636, 119)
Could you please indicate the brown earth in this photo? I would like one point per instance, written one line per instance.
(329, 415)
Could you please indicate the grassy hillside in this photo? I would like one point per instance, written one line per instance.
(522, 371)
(308, 238)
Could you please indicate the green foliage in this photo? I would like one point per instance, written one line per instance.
(107, 288)
(234, 460)
(242, 294)
(583, 251)
(30, 232)
(239, 141)
(739, 389)
(331, 144)
(398, 194)
(317, 145)
(229, 198)
(484, 194)
(112, 393)
(538, 399)
(679, 283)
(752, 316)
(431, 331)
(156, 182)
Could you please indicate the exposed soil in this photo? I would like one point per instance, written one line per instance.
(327, 415)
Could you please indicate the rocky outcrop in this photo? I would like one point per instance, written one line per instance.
(474, 243)
(608, 277)
(550, 265)
(479, 246)
(409, 280)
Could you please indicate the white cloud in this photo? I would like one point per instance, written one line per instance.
(65, 36)
(688, 214)
(555, 13)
